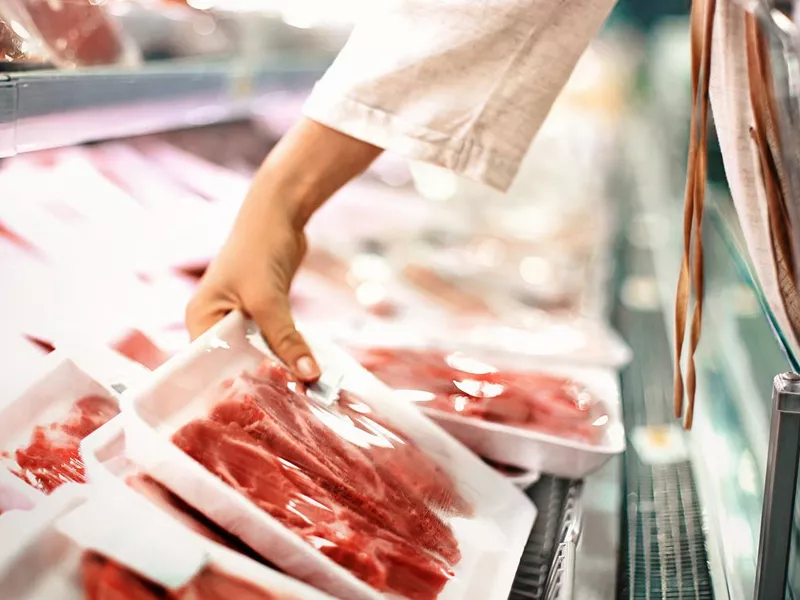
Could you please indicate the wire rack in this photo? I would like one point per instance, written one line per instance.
(663, 540)
(547, 566)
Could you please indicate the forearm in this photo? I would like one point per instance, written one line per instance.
(304, 170)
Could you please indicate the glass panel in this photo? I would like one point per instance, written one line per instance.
(793, 582)
(740, 356)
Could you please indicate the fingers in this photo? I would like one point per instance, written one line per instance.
(274, 317)
(203, 312)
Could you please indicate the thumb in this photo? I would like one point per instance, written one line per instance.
(274, 318)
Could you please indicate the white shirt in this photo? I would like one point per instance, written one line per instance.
(466, 84)
(463, 84)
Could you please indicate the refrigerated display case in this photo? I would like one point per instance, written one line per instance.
(239, 79)
(720, 519)
(678, 515)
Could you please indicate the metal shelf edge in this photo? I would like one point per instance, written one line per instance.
(48, 109)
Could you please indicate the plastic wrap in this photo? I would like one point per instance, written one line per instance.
(543, 417)
(115, 545)
(18, 48)
(41, 430)
(108, 467)
(363, 498)
(75, 32)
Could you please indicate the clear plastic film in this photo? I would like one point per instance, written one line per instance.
(18, 47)
(109, 468)
(41, 430)
(456, 383)
(362, 498)
(70, 397)
(73, 33)
(507, 407)
(107, 545)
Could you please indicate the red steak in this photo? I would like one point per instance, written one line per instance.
(342, 479)
(52, 458)
(455, 383)
(104, 579)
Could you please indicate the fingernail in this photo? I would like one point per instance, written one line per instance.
(307, 368)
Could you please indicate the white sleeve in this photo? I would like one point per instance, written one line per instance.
(463, 84)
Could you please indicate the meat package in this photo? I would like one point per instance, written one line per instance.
(76, 33)
(109, 467)
(547, 418)
(106, 545)
(364, 498)
(41, 430)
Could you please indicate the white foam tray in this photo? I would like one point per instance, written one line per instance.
(59, 382)
(491, 542)
(38, 558)
(519, 447)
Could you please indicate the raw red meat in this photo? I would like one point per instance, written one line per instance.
(104, 579)
(79, 31)
(140, 348)
(188, 515)
(455, 383)
(346, 482)
(52, 458)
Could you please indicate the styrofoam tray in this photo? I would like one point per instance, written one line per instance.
(541, 452)
(60, 382)
(39, 558)
(491, 542)
(520, 447)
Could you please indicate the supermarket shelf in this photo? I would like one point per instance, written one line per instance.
(48, 109)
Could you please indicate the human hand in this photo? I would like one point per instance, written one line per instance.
(253, 273)
(254, 270)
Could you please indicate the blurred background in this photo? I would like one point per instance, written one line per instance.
(128, 134)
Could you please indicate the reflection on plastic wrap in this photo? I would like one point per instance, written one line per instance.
(456, 383)
(104, 579)
(76, 32)
(52, 458)
(17, 46)
(189, 516)
(355, 489)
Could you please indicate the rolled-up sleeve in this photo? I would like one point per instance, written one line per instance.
(463, 84)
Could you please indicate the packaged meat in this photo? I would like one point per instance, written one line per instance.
(99, 545)
(76, 33)
(41, 430)
(456, 383)
(363, 499)
(108, 467)
(531, 415)
(52, 458)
